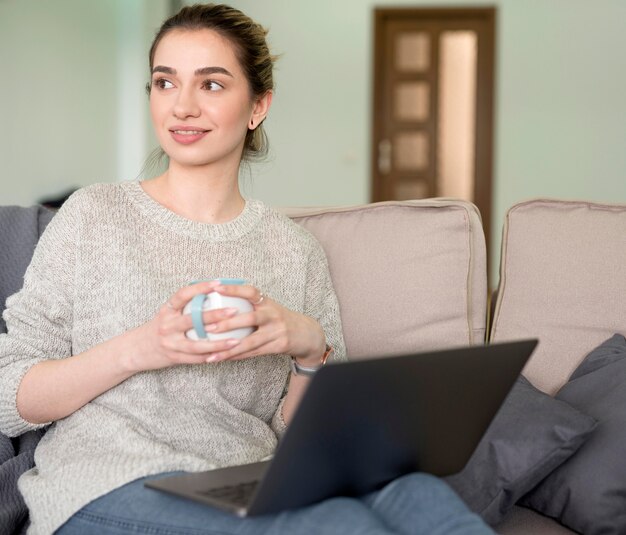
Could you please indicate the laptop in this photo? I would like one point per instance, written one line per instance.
(361, 424)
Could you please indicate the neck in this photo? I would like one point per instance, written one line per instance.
(198, 195)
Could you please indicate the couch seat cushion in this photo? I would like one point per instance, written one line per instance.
(523, 521)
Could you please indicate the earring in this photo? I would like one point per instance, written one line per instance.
(251, 123)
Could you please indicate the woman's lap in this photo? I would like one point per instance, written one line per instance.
(414, 504)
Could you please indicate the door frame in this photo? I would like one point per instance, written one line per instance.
(485, 97)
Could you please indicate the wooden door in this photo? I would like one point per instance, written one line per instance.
(433, 105)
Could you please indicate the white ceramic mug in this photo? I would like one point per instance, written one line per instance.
(211, 301)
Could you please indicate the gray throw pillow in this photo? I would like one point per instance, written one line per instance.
(588, 492)
(530, 436)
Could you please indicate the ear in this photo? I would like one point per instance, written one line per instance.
(260, 110)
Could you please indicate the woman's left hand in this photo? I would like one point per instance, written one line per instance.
(278, 329)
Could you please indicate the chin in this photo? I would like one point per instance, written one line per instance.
(204, 158)
(197, 161)
(189, 156)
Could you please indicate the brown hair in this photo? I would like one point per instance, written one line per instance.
(248, 39)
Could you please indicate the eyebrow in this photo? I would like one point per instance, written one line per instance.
(198, 72)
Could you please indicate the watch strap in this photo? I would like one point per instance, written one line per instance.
(309, 371)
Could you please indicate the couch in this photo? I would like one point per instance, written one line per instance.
(412, 275)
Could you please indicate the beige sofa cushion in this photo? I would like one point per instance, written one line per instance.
(563, 280)
(408, 275)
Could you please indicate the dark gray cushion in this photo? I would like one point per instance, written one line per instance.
(530, 436)
(588, 492)
(20, 229)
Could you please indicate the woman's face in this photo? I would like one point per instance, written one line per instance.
(200, 100)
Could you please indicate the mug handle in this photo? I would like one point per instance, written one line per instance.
(197, 306)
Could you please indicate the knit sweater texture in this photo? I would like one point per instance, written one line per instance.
(106, 263)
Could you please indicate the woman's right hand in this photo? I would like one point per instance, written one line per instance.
(162, 341)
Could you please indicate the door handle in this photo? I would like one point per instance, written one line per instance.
(384, 157)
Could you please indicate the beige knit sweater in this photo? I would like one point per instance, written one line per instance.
(106, 263)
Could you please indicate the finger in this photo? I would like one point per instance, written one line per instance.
(181, 323)
(184, 322)
(246, 291)
(252, 345)
(178, 301)
(205, 348)
(238, 321)
(266, 319)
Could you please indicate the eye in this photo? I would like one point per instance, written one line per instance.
(212, 85)
(162, 83)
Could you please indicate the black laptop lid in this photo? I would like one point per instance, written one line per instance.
(364, 423)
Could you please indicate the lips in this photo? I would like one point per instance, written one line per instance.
(187, 134)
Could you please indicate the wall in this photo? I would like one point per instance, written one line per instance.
(319, 125)
(70, 107)
(72, 104)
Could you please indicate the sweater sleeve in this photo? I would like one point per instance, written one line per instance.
(39, 316)
(322, 305)
(321, 302)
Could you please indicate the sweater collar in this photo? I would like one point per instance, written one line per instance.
(247, 220)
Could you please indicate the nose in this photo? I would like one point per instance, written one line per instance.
(186, 104)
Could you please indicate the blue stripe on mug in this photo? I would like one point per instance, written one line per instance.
(231, 281)
(197, 305)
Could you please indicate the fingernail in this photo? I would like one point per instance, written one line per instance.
(232, 342)
(231, 311)
(211, 327)
(213, 358)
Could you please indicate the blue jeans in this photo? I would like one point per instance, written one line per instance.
(417, 503)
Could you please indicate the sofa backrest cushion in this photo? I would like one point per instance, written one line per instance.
(409, 275)
(562, 279)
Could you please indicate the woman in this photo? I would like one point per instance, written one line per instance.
(96, 342)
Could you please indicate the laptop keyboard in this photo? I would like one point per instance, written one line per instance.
(239, 494)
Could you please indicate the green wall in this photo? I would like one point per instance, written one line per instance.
(560, 101)
(73, 108)
(73, 111)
